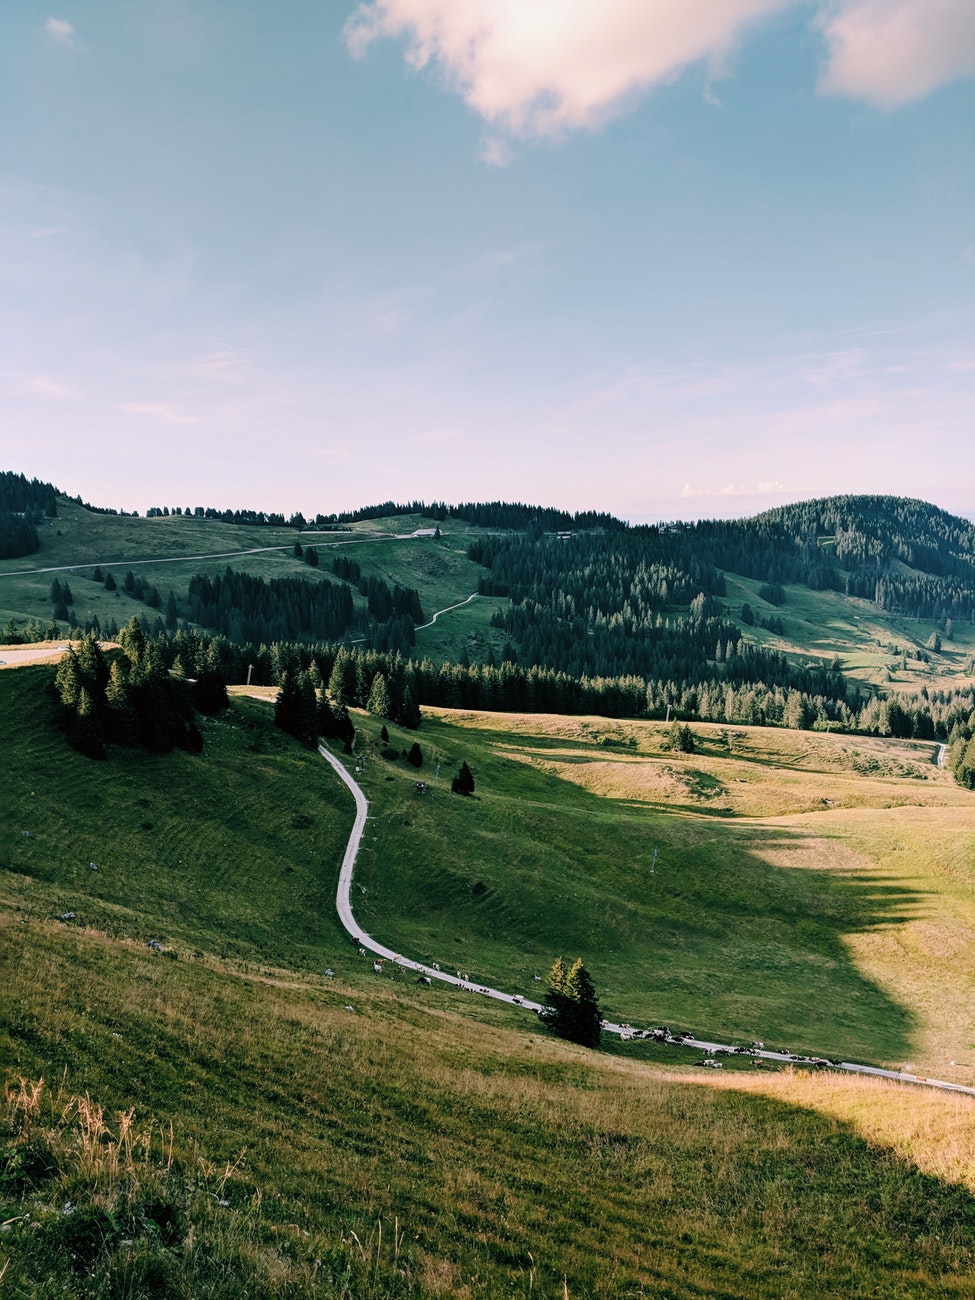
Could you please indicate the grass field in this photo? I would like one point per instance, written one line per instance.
(166, 552)
(870, 643)
(814, 891)
(354, 1135)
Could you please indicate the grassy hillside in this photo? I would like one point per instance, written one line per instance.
(871, 644)
(355, 1135)
(221, 852)
(810, 890)
(169, 551)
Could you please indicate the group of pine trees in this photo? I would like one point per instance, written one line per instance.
(24, 503)
(350, 673)
(247, 608)
(132, 699)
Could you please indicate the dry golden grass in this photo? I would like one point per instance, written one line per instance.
(934, 1131)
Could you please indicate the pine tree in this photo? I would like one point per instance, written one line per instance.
(342, 683)
(463, 782)
(571, 1007)
(415, 756)
(378, 701)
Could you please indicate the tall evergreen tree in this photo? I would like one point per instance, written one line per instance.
(378, 701)
(463, 782)
(571, 1006)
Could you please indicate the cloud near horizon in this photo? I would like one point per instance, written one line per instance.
(543, 69)
(735, 490)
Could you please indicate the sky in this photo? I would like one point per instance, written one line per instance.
(665, 258)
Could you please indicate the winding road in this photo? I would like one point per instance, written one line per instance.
(421, 626)
(368, 943)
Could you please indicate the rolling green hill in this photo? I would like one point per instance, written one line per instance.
(244, 1122)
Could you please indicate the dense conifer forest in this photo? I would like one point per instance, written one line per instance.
(23, 504)
(598, 616)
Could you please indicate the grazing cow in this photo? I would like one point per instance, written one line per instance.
(518, 999)
(423, 979)
(377, 967)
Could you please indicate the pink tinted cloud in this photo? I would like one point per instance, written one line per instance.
(890, 52)
(539, 69)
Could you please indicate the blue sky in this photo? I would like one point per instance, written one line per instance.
(660, 258)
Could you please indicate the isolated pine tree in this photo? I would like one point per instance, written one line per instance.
(571, 1007)
(463, 782)
(415, 756)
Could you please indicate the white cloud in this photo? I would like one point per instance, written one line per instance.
(158, 411)
(60, 31)
(543, 68)
(890, 52)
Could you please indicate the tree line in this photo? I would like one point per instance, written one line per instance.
(24, 503)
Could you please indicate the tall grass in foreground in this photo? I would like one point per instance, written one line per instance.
(107, 1211)
(257, 1138)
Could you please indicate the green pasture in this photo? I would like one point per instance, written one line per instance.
(774, 897)
(312, 1137)
(353, 1134)
(232, 852)
(869, 642)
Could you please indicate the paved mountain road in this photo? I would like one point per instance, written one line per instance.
(366, 941)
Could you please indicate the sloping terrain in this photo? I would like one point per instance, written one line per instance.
(329, 1134)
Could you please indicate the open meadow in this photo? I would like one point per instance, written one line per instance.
(259, 1113)
(812, 890)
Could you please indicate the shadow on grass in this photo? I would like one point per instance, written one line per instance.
(740, 930)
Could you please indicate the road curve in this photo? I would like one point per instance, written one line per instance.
(421, 626)
(344, 907)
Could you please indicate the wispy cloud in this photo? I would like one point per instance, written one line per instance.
(436, 437)
(890, 52)
(60, 31)
(44, 386)
(496, 151)
(158, 411)
(224, 365)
